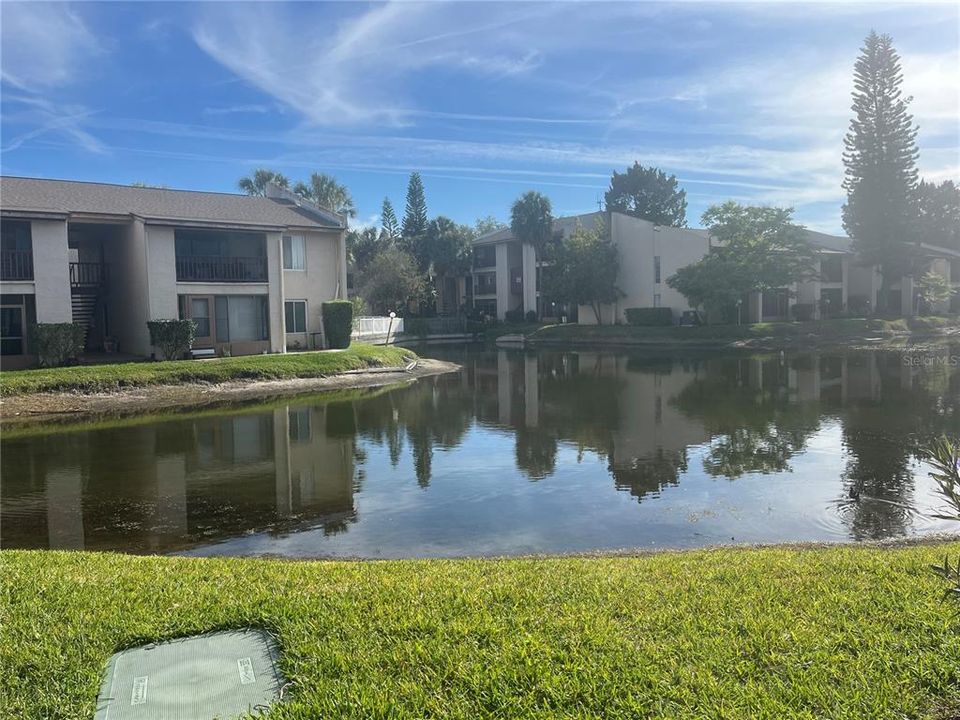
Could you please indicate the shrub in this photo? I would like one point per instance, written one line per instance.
(531, 316)
(337, 322)
(173, 337)
(57, 343)
(802, 311)
(513, 316)
(649, 316)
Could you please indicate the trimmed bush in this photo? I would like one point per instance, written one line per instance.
(513, 316)
(531, 316)
(649, 316)
(337, 322)
(57, 343)
(173, 337)
(802, 311)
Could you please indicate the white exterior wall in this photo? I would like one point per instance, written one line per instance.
(129, 306)
(639, 244)
(323, 279)
(503, 280)
(51, 271)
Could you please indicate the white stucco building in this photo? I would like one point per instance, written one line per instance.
(504, 274)
(250, 271)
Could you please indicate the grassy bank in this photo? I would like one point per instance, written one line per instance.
(815, 330)
(844, 632)
(100, 378)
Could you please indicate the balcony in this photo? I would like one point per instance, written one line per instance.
(218, 268)
(87, 274)
(16, 265)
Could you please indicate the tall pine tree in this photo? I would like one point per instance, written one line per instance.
(880, 157)
(415, 217)
(388, 220)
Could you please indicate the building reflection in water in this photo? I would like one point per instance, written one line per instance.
(170, 485)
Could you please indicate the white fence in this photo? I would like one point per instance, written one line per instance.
(376, 326)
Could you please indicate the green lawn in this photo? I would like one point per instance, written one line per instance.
(98, 378)
(845, 632)
(826, 329)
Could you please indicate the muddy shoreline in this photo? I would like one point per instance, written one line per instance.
(42, 407)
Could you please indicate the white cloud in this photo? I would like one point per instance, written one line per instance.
(44, 45)
(357, 71)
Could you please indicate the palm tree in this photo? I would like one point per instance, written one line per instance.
(531, 221)
(325, 191)
(256, 184)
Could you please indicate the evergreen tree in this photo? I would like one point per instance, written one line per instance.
(880, 157)
(415, 217)
(939, 213)
(388, 220)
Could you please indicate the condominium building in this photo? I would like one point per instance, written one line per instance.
(251, 272)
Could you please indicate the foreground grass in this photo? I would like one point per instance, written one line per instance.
(100, 378)
(843, 632)
(825, 329)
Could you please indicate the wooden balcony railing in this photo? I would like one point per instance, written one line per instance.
(16, 265)
(88, 274)
(215, 268)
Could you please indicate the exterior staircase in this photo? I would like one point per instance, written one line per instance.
(88, 286)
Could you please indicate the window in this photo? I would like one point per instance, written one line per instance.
(831, 269)
(299, 424)
(227, 318)
(11, 330)
(484, 256)
(295, 312)
(294, 252)
(656, 270)
(200, 313)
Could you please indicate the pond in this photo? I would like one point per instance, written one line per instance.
(517, 453)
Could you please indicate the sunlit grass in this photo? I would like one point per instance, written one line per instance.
(99, 378)
(845, 632)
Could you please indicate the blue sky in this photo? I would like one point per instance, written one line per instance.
(486, 100)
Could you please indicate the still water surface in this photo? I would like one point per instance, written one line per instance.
(517, 453)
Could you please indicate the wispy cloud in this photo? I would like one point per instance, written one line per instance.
(45, 117)
(251, 109)
(44, 45)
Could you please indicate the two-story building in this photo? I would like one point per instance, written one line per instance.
(505, 277)
(251, 272)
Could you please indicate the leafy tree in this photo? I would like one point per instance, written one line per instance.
(391, 280)
(584, 270)
(756, 249)
(880, 156)
(487, 225)
(256, 183)
(325, 191)
(531, 221)
(448, 247)
(649, 194)
(415, 216)
(388, 220)
(939, 214)
(363, 246)
(934, 290)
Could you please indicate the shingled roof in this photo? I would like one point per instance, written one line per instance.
(26, 195)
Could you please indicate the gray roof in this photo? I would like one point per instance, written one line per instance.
(27, 195)
(835, 243)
